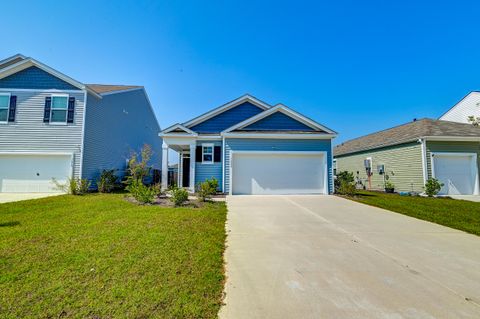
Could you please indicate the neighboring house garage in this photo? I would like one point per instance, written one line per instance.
(33, 173)
(412, 153)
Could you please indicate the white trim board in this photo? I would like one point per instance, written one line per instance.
(279, 135)
(323, 153)
(29, 62)
(225, 107)
(170, 129)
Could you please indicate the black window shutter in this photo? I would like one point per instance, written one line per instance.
(198, 154)
(46, 112)
(71, 109)
(13, 108)
(217, 154)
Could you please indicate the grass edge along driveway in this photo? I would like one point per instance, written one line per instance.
(459, 214)
(99, 256)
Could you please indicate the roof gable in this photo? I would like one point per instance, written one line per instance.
(278, 121)
(178, 129)
(295, 122)
(35, 78)
(227, 118)
(11, 60)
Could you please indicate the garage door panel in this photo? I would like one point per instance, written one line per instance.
(33, 173)
(457, 173)
(278, 174)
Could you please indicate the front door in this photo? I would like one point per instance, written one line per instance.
(186, 171)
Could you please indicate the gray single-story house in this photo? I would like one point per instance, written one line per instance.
(412, 153)
(55, 127)
(252, 147)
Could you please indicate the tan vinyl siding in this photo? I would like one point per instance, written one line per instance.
(29, 134)
(450, 146)
(403, 166)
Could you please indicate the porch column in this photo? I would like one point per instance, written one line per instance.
(192, 166)
(180, 169)
(164, 166)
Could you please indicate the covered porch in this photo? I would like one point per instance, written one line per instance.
(183, 141)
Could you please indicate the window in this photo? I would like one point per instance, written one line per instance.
(4, 107)
(59, 109)
(207, 153)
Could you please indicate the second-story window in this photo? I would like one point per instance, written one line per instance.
(59, 109)
(4, 107)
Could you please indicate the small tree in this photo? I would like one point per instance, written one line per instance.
(138, 168)
(432, 187)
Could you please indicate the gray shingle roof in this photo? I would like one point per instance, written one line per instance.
(407, 133)
(103, 88)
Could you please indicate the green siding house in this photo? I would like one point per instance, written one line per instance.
(409, 154)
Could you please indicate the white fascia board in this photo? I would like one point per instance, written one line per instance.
(16, 56)
(226, 107)
(122, 91)
(285, 110)
(453, 138)
(24, 64)
(169, 130)
(281, 135)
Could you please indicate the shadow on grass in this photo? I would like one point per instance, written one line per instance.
(9, 224)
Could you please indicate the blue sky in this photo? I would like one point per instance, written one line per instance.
(354, 66)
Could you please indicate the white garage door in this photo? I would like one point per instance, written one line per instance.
(458, 173)
(279, 173)
(33, 173)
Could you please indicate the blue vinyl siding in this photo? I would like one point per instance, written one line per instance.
(116, 126)
(35, 78)
(245, 144)
(207, 171)
(227, 119)
(276, 122)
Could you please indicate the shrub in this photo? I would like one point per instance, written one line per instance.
(142, 193)
(179, 196)
(74, 186)
(207, 189)
(389, 187)
(346, 188)
(138, 169)
(432, 187)
(344, 177)
(106, 181)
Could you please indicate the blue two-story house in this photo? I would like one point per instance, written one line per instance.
(55, 127)
(251, 147)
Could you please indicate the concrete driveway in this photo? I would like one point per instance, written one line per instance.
(327, 257)
(15, 197)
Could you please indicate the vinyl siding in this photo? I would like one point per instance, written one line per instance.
(463, 109)
(450, 146)
(29, 134)
(207, 171)
(227, 119)
(254, 144)
(116, 126)
(403, 166)
(278, 121)
(35, 78)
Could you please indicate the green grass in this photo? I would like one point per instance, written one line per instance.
(98, 256)
(458, 214)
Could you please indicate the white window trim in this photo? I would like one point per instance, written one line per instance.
(8, 108)
(203, 153)
(66, 110)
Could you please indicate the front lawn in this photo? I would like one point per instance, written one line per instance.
(99, 256)
(459, 214)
